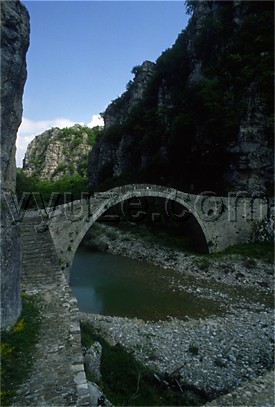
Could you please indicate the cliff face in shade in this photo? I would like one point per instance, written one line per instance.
(14, 44)
(116, 154)
(201, 119)
(117, 112)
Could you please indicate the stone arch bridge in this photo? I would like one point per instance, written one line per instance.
(223, 221)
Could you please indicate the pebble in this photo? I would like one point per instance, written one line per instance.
(206, 358)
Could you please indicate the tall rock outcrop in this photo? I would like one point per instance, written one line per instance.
(203, 120)
(117, 112)
(114, 154)
(59, 152)
(14, 45)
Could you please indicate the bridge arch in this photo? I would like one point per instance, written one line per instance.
(185, 213)
(68, 231)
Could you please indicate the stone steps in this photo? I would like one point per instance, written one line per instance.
(57, 377)
(40, 262)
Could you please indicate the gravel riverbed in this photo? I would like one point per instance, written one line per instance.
(214, 354)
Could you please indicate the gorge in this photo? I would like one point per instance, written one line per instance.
(193, 128)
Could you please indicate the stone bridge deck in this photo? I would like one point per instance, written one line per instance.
(57, 376)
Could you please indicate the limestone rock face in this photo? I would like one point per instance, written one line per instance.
(15, 30)
(11, 304)
(58, 152)
(252, 167)
(14, 44)
(107, 155)
(117, 111)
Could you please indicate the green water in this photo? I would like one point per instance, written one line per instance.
(119, 286)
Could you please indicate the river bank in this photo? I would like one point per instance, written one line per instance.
(214, 354)
(231, 269)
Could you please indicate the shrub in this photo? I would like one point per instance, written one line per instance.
(203, 264)
(193, 349)
(263, 231)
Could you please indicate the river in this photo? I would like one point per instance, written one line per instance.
(114, 285)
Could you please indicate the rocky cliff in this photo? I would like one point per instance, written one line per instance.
(59, 152)
(117, 112)
(200, 118)
(14, 44)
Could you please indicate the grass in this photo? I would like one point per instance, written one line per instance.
(220, 362)
(262, 251)
(17, 346)
(125, 381)
(193, 349)
(203, 263)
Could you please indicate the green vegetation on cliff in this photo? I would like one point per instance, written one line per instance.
(57, 153)
(78, 131)
(205, 121)
(57, 162)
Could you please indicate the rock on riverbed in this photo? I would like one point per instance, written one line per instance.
(215, 354)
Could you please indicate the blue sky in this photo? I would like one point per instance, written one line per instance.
(81, 56)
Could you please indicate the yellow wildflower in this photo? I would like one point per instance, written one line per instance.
(19, 326)
(5, 349)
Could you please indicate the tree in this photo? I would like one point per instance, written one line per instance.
(135, 69)
(190, 6)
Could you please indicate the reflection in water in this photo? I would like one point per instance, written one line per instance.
(88, 299)
(119, 286)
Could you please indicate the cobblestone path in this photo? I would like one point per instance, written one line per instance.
(57, 377)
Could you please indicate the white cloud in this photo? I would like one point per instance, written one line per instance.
(97, 120)
(21, 147)
(31, 128)
(38, 126)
